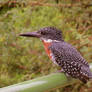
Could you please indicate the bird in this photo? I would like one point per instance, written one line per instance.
(62, 53)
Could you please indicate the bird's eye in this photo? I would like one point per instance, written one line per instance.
(43, 33)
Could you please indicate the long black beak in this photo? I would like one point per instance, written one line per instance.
(31, 34)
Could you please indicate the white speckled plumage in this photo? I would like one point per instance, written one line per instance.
(71, 60)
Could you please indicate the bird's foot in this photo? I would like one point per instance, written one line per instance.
(67, 76)
(60, 71)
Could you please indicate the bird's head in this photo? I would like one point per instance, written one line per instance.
(47, 33)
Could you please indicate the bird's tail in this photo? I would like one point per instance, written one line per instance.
(84, 78)
(86, 74)
(90, 75)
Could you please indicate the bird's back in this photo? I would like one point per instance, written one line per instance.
(71, 61)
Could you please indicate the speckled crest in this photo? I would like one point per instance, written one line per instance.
(51, 33)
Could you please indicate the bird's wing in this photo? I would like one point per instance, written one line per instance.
(71, 60)
(68, 53)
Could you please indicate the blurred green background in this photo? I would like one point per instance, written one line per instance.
(24, 58)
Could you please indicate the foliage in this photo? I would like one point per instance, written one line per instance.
(24, 58)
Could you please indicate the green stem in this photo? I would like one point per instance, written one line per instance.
(41, 84)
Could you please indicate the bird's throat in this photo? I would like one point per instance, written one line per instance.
(47, 44)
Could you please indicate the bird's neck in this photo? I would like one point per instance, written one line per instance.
(49, 40)
(47, 43)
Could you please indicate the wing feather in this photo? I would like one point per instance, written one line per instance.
(70, 60)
